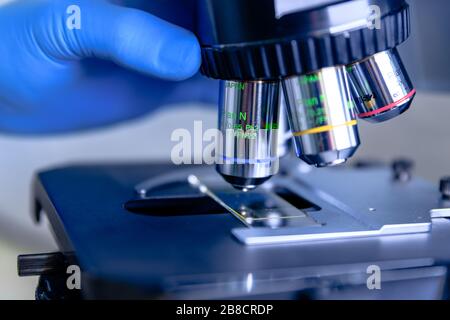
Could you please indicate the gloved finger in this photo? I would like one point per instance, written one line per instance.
(134, 39)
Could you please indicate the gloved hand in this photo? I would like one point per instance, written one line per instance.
(47, 85)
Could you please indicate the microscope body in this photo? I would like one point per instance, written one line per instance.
(324, 63)
(328, 62)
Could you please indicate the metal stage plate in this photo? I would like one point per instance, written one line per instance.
(199, 255)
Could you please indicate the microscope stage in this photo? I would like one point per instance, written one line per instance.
(199, 255)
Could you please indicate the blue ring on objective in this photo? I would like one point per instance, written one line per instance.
(249, 161)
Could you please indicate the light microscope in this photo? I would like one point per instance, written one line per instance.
(279, 224)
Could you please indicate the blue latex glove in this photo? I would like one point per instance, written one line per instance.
(47, 85)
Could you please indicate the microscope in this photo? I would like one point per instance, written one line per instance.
(308, 232)
(333, 62)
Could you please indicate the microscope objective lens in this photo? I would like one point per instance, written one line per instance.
(248, 122)
(321, 117)
(380, 86)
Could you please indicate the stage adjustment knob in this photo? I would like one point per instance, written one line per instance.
(402, 169)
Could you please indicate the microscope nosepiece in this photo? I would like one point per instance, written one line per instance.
(380, 86)
(321, 116)
(333, 67)
(248, 122)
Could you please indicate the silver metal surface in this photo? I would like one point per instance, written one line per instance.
(259, 208)
(380, 86)
(335, 203)
(144, 187)
(321, 118)
(248, 121)
(346, 199)
(440, 213)
(273, 236)
(284, 133)
(328, 282)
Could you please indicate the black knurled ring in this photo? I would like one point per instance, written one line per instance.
(275, 60)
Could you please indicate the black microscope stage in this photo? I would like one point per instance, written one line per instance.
(181, 253)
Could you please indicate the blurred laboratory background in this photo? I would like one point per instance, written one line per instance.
(422, 134)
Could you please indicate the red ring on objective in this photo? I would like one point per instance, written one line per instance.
(389, 106)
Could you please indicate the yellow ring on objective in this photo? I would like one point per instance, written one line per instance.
(324, 128)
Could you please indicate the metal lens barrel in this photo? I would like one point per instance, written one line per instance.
(248, 122)
(314, 49)
(380, 86)
(321, 116)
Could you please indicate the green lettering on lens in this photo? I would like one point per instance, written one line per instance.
(350, 104)
(242, 116)
(320, 112)
(321, 120)
(271, 126)
(237, 85)
(249, 134)
(309, 78)
(311, 102)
